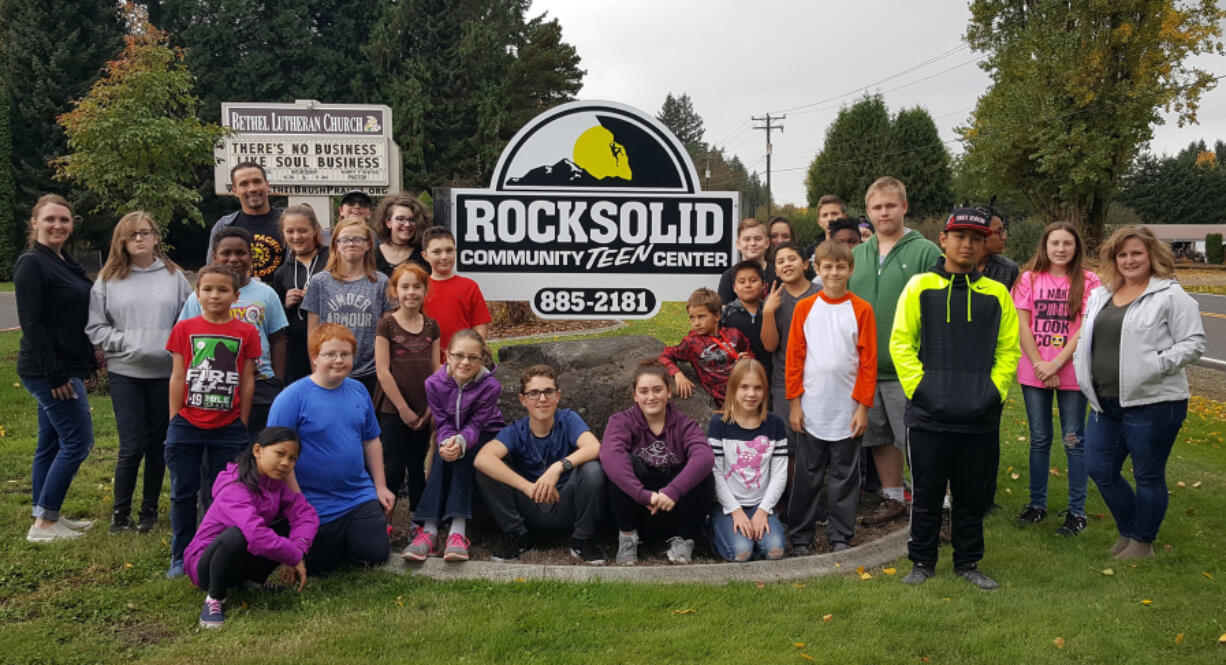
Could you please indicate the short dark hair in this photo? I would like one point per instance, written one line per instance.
(707, 298)
(219, 269)
(843, 223)
(231, 232)
(248, 165)
(749, 265)
(434, 233)
(534, 371)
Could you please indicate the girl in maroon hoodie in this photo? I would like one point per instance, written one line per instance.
(658, 461)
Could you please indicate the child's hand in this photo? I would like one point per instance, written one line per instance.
(859, 421)
(796, 416)
(662, 502)
(407, 416)
(387, 499)
(759, 524)
(545, 489)
(773, 299)
(294, 296)
(685, 387)
(423, 420)
(299, 571)
(450, 450)
(741, 524)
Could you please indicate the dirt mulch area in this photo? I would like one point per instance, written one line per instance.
(512, 330)
(1201, 276)
(1207, 382)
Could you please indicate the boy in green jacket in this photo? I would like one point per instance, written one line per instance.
(884, 264)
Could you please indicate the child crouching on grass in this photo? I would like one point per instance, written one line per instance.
(711, 349)
(254, 523)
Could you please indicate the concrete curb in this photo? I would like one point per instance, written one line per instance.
(870, 555)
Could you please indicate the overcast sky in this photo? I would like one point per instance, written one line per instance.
(739, 59)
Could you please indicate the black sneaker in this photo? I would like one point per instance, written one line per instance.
(976, 577)
(146, 524)
(586, 551)
(513, 545)
(918, 575)
(120, 525)
(1031, 515)
(1073, 525)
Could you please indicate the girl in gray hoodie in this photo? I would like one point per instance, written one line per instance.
(132, 308)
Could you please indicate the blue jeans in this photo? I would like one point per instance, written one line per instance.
(65, 437)
(141, 420)
(186, 446)
(736, 547)
(1147, 433)
(1072, 405)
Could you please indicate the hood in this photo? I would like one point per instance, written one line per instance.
(158, 264)
(227, 476)
(960, 281)
(450, 381)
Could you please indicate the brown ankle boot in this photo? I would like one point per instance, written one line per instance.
(1120, 545)
(1137, 550)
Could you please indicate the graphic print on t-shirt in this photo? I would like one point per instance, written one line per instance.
(212, 375)
(252, 313)
(748, 464)
(350, 309)
(1051, 318)
(266, 255)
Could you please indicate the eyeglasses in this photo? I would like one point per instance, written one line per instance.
(548, 393)
(142, 234)
(458, 358)
(404, 221)
(336, 355)
(351, 240)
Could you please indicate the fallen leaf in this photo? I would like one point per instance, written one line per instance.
(1054, 471)
(688, 610)
(128, 565)
(1008, 491)
(1206, 575)
(761, 584)
(1108, 571)
(806, 656)
(1009, 469)
(1147, 602)
(798, 585)
(131, 606)
(1222, 639)
(243, 606)
(865, 576)
(1191, 511)
(1059, 642)
(945, 599)
(521, 580)
(1021, 438)
(1167, 547)
(1181, 484)
(837, 565)
(798, 645)
(1015, 476)
(827, 617)
(1178, 638)
(889, 571)
(1100, 516)
(924, 659)
(1197, 484)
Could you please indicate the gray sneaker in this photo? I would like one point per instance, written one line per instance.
(627, 549)
(976, 577)
(918, 575)
(680, 550)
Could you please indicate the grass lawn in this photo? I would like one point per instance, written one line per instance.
(103, 599)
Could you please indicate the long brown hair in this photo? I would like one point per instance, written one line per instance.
(44, 201)
(740, 370)
(1041, 263)
(368, 259)
(388, 204)
(119, 262)
(1161, 259)
(303, 210)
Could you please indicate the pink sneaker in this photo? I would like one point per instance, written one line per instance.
(457, 548)
(424, 545)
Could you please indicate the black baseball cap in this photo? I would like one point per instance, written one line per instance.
(356, 196)
(968, 219)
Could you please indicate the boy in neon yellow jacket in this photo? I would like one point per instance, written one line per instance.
(955, 348)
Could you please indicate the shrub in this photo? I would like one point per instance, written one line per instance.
(1213, 248)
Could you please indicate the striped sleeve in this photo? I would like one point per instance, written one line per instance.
(798, 347)
(777, 431)
(866, 343)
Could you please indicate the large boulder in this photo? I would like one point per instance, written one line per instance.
(594, 376)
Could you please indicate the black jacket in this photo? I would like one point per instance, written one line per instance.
(53, 308)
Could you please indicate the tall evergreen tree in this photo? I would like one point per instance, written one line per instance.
(12, 226)
(1187, 188)
(919, 159)
(856, 152)
(545, 72)
(683, 121)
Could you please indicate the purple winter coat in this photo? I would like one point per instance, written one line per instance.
(236, 505)
(680, 450)
(470, 411)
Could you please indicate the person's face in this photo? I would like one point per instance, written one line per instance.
(828, 213)
(834, 274)
(233, 252)
(464, 357)
(52, 225)
(1132, 260)
(750, 393)
(702, 321)
(995, 243)
(886, 210)
(216, 293)
(1061, 247)
(540, 397)
(252, 190)
(789, 266)
(276, 460)
(410, 292)
(865, 234)
(440, 254)
(334, 361)
(651, 395)
(142, 242)
(752, 243)
(780, 234)
(299, 234)
(355, 207)
(352, 242)
(963, 247)
(748, 286)
(402, 225)
(847, 237)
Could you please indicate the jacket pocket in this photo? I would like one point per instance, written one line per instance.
(956, 397)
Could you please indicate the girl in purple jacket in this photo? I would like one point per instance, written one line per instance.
(254, 523)
(658, 461)
(463, 396)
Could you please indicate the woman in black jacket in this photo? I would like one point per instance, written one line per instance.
(54, 359)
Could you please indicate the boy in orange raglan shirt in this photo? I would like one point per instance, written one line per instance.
(831, 377)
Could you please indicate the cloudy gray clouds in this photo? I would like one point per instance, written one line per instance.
(737, 59)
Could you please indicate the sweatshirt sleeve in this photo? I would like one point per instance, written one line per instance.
(444, 421)
(615, 459)
(30, 284)
(1008, 346)
(484, 412)
(779, 477)
(699, 460)
(100, 329)
(1186, 329)
(671, 355)
(739, 340)
(798, 348)
(866, 341)
(904, 337)
(303, 520)
(235, 506)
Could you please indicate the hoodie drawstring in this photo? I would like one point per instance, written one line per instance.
(949, 291)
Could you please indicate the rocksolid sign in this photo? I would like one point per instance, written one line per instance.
(594, 212)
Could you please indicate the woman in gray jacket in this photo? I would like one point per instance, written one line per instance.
(132, 308)
(1141, 329)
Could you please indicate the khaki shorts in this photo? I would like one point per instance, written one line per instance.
(885, 419)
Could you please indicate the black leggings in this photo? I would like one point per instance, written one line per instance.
(404, 456)
(690, 512)
(226, 563)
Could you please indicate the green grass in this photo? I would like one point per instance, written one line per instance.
(102, 599)
(6, 287)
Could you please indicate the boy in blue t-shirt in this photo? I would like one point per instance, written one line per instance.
(542, 473)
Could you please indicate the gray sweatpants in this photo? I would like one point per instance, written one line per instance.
(815, 460)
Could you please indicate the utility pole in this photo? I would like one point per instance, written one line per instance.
(768, 119)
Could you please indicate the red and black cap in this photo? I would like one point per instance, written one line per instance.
(968, 219)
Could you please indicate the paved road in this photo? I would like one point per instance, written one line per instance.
(8, 310)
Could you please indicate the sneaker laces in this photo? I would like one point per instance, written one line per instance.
(457, 540)
(423, 538)
(213, 605)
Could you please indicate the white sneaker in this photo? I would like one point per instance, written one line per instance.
(627, 549)
(57, 532)
(680, 550)
(76, 525)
